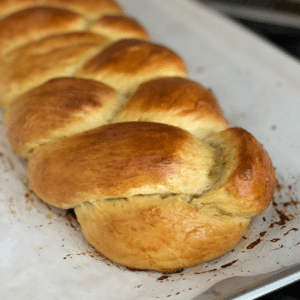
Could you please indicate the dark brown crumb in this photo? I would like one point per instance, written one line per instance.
(163, 277)
(274, 240)
(206, 271)
(229, 264)
(293, 229)
(253, 244)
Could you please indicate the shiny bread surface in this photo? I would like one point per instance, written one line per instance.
(114, 129)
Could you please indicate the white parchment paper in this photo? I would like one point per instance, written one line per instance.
(43, 254)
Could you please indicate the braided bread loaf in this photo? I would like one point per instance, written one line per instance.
(113, 129)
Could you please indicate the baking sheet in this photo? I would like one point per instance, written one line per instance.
(42, 251)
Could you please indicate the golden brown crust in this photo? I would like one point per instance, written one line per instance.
(150, 158)
(54, 56)
(11, 6)
(147, 195)
(150, 232)
(119, 27)
(120, 160)
(61, 107)
(57, 41)
(91, 9)
(127, 63)
(152, 196)
(35, 23)
(248, 181)
(175, 101)
(252, 183)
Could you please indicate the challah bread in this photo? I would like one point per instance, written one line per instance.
(59, 108)
(155, 171)
(113, 129)
(248, 179)
(159, 232)
(129, 62)
(64, 106)
(21, 27)
(119, 27)
(176, 101)
(91, 9)
(121, 160)
(26, 67)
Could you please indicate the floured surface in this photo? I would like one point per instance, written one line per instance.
(42, 250)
